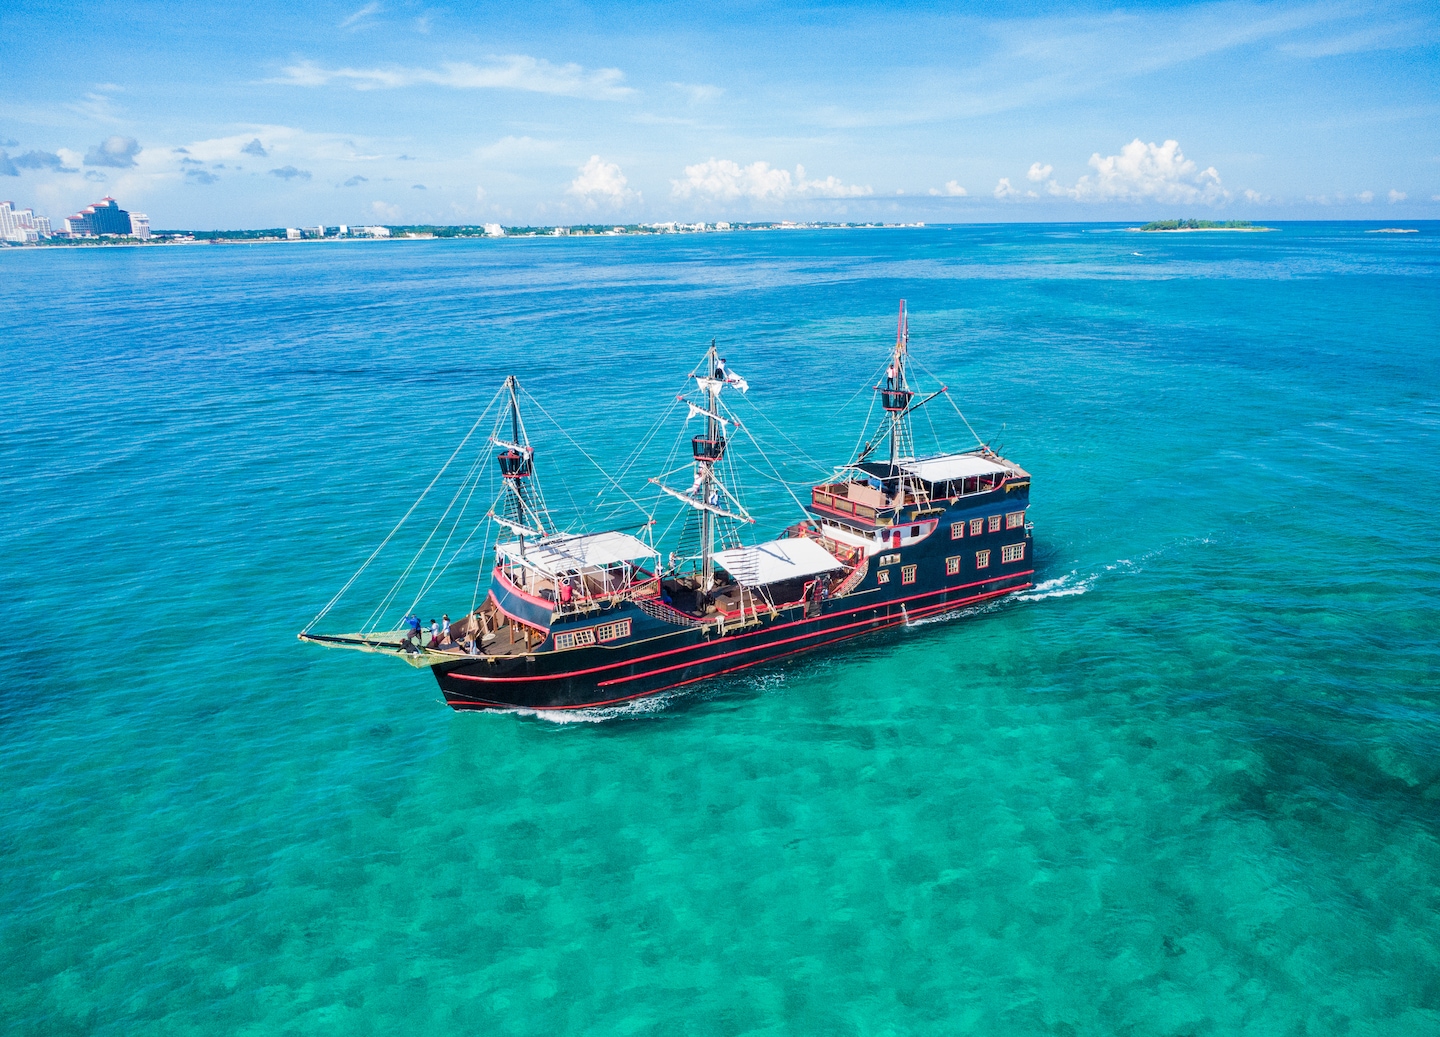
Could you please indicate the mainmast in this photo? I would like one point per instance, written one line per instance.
(707, 493)
(710, 450)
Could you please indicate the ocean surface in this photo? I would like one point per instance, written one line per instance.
(1189, 784)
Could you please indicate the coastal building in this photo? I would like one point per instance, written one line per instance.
(344, 231)
(22, 226)
(140, 226)
(292, 233)
(375, 232)
(104, 217)
(494, 230)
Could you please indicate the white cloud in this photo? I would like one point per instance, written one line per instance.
(699, 93)
(1396, 196)
(479, 193)
(508, 72)
(385, 211)
(1146, 172)
(1003, 190)
(117, 151)
(364, 14)
(1328, 43)
(952, 190)
(512, 148)
(725, 180)
(601, 181)
(285, 145)
(1039, 172)
(1255, 196)
(97, 105)
(1366, 196)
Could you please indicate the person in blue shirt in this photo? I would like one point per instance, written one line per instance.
(411, 625)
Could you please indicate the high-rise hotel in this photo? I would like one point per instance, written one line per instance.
(106, 217)
(22, 226)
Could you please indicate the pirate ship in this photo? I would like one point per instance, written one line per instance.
(582, 619)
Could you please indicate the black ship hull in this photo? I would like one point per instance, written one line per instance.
(606, 676)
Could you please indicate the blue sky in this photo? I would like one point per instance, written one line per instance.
(261, 114)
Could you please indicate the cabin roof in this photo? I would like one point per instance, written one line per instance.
(940, 467)
(554, 555)
(776, 560)
(949, 467)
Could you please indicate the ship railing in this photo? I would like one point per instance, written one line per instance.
(667, 614)
(841, 504)
(592, 600)
(852, 580)
(846, 553)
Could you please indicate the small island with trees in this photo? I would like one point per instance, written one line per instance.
(1188, 225)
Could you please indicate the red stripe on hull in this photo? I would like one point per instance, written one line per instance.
(765, 630)
(872, 626)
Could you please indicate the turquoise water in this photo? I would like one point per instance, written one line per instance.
(1189, 785)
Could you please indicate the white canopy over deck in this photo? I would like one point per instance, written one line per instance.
(952, 467)
(556, 555)
(776, 560)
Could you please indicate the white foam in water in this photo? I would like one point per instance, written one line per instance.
(1060, 587)
(656, 703)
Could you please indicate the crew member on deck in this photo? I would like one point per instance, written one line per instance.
(566, 591)
(434, 635)
(444, 629)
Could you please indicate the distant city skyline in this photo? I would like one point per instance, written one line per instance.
(211, 116)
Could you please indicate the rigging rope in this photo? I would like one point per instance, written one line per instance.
(953, 404)
(399, 583)
(428, 582)
(348, 583)
(587, 457)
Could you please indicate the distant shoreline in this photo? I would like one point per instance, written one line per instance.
(429, 232)
(1200, 230)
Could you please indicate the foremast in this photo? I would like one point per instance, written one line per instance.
(521, 505)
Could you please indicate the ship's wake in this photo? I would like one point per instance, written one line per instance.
(650, 705)
(1069, 585)
(657, 703)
